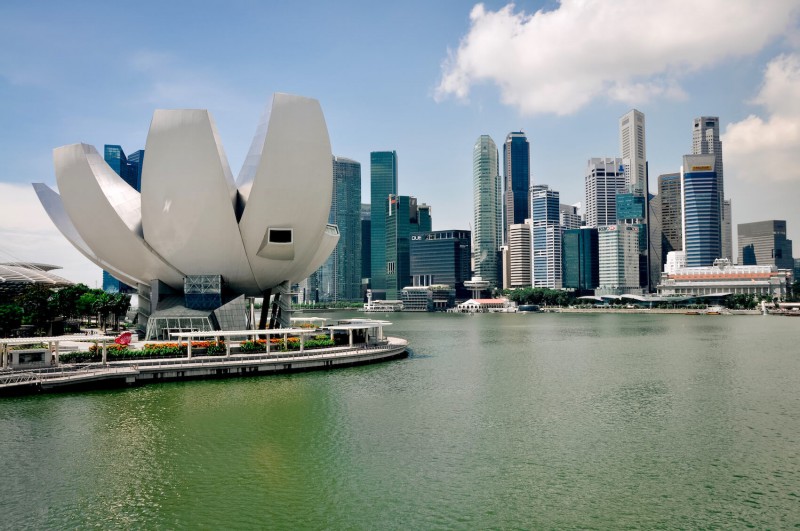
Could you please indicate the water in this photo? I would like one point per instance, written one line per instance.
(504, 421)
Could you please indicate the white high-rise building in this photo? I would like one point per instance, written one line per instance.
(634, 154)
(619, 259)
(546, 238)
(487, 233)
(519, 255)
(605, 178)
(570, 218)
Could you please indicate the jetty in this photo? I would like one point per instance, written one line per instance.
(365, 344)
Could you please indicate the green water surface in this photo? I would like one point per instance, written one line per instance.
(543, 421)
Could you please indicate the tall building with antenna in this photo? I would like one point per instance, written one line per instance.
(706, 141)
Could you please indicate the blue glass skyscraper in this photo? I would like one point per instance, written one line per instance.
(702, 218)
(546, 238)
(340, 276)
(130, 169)
(441, 257)
(517, 166)
(580, 253)
(383, 183)
(402, 219)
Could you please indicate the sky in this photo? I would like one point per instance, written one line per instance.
(423, 78)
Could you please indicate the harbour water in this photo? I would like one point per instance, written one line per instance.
(496, 420)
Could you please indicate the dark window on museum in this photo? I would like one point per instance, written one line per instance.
(280, 235)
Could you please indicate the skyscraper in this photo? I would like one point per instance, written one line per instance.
(706, 141)
(669, 193)
(701, 210)
(136, 163)
(570, 219)
(340, 277)
(546, 238)
(765, 243)
(605, 178)
(366, 241)
(727, 230)
(425, 221)
(383, 183)
(655, 241)
(618, 249)
(517, 166)
(402, 219)
(634, 154)
(487, 231)
(519, 256)
(580, 253)
(130, 169)
(441, 257)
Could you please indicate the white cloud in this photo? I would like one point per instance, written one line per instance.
(28, 235)
(762, 153)
(767, 149)
(627, 50)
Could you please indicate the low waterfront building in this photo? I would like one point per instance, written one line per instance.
(437, 297)
(723, 278)
(486, 305)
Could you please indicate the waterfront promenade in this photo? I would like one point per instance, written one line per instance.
(143, 371)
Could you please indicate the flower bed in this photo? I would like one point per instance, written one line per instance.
(291, 343)
(199, 348)
(150, 351)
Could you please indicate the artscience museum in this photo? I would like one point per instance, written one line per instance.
(197, 243)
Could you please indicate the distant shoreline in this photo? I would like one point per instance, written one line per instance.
(679, 311)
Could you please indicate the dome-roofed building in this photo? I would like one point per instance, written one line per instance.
(16, 276)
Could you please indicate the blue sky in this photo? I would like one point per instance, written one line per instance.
(423, 78)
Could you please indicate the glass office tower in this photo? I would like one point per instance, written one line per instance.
(517, 166)
(702, 238)
(765, 243)
(580, 255)
(383, 183)
(441, 257)
(402, 219)
(487, 211)
(130, 169)
(546, 238)
(340, 276)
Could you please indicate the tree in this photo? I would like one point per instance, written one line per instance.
(10, 318)
(35, 303)
(65, 300)
(120, 302)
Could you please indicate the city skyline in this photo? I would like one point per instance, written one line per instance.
(418, 86)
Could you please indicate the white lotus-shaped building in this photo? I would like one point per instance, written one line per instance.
(268, 228)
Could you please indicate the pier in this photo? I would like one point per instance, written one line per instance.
(373, 347)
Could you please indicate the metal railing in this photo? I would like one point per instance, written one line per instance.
(84, 370)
